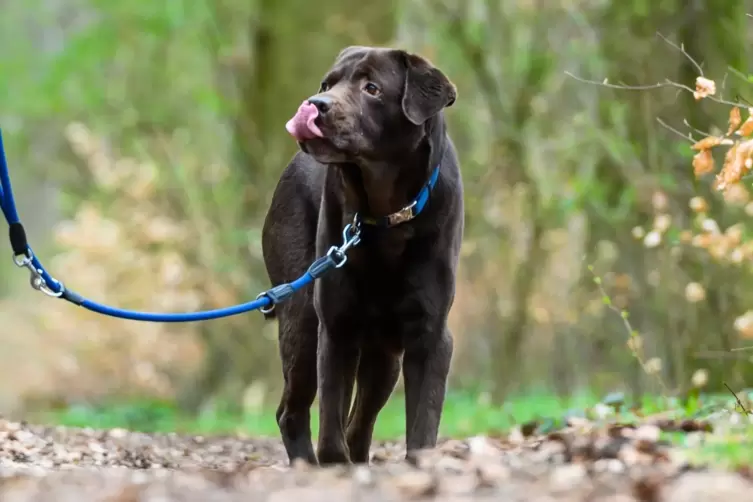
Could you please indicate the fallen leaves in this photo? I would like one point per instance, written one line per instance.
(647, 489)
(580, 459)
(417, 484)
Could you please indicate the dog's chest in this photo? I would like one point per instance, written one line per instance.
(386, 249)
(383, 286)
(390, 316)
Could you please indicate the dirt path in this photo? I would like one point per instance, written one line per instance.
(610, 464)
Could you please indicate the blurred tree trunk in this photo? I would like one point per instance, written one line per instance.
(515, 325)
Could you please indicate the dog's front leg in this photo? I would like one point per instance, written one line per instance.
(335, 355)
(425, 369)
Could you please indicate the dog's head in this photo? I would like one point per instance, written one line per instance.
(372, 104)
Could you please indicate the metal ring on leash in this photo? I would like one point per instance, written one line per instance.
(265, 310)
(25, 260)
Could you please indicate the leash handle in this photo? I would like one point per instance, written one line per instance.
(41, 280)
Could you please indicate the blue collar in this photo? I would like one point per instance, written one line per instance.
(411, 210)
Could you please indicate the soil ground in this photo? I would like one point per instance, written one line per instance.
(616, 463)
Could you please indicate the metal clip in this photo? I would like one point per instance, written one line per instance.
(26, 261)
(35, 275)
(351, 237)
(338, 257)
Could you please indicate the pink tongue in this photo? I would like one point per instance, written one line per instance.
(302, 126)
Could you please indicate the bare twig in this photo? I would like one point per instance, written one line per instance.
(681, 48)
(718, 354)
(702, 133)
(637, 352)
(747, 103)
(723, 85)
(668, 83)
(648, 87)
(605, 83)
(740, 349)
(739, 403)
(688, 136)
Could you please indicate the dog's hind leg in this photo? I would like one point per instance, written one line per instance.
(378, 372)
(297, 333)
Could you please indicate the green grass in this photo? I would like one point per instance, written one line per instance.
(464, 414)
(720, 450)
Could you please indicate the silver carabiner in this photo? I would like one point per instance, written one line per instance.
(36, 280)
(26, 261)
(44, 288)
(337, 253)
(350, 239)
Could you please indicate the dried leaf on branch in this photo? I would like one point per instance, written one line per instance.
(734, 120)
(737, 163)
(747, 128)
(704, 87)
(711, 142)
(703, 163)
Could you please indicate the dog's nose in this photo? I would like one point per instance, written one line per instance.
(322, 103)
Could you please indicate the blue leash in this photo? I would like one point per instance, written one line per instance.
(42, 281)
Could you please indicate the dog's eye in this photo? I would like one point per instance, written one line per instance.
(323, 87)
(371, 88)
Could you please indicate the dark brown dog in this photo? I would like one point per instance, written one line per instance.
(370, 140)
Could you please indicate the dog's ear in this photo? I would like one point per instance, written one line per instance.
(427, 90)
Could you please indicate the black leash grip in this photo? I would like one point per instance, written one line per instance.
(73, 297)
(279, 293)
(321, 266)
(18, 240)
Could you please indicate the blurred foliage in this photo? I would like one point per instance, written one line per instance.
(145, 139)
